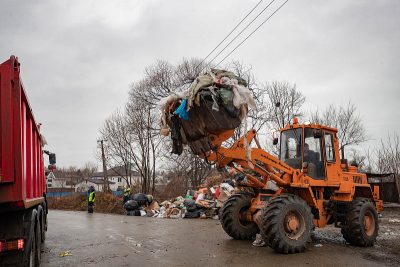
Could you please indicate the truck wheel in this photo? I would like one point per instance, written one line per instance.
(286, 224)
(43, 224)
(38, 242)
(31, 255)
(361, 223)
(232, 217)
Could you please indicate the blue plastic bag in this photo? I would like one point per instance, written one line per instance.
(181, 110)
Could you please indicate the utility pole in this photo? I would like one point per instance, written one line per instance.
(103, 156)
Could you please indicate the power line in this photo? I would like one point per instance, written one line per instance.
(237, 35)
(237, 25)
(248, 36)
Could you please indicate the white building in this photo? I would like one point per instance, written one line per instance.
(117, 177)
(59, 182)
(98, 185)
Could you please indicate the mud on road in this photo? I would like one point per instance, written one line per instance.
(117, 240)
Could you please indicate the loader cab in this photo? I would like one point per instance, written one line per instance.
(308, 145)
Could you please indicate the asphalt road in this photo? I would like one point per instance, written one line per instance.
(117, 240)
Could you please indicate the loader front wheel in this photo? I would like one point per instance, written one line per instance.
(361, 223)
(287, 224)
(232, 217)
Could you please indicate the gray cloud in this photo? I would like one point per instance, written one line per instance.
(79, 57)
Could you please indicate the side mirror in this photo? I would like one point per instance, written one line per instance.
(52, 158)
(275, 141)
(317, 133)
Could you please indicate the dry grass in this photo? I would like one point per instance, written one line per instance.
(105, 203)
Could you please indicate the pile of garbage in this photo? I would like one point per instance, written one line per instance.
(216, 102)
(203, 203)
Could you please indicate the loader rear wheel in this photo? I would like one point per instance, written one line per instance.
(361, 223)
(287, 224)
(232, 217)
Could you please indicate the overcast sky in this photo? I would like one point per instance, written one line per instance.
(79, 57)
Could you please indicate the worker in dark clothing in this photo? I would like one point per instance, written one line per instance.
(91, 198)
(310, 158)
(127, 194)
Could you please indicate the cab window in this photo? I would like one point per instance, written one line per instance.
(312, 154)
(329, 152)
(291, 147)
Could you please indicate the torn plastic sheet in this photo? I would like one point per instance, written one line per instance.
(181, 110)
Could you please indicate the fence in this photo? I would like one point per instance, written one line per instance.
(65, 194)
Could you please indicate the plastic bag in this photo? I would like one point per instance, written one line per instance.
(181, 110)
(241, 96)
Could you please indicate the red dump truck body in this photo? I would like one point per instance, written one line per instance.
(23, 205)
(22, 177)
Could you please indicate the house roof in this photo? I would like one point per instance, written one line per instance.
(99, 181)
(117, 171)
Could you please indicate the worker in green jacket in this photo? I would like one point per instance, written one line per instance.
(91, 198)
(127, 194)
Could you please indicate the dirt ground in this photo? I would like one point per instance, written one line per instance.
(116, 240)
(387, 247)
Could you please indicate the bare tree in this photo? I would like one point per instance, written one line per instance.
(191, 168)
(118, 137)
(141, 122)
(388, 157)
(283, 103)
(351, 130)
(187, 71)
(88, 169)
(363, 159)
(279, 103)
(163, 78)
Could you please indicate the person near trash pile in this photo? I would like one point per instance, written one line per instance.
(127, 194)
(149, 199)
(91, 198)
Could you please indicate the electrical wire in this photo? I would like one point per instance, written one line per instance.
(248, 36)
(237, 35)
(229, 34)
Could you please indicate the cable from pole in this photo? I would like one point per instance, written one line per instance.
(229, 34)
(237, 35)
(248, 36)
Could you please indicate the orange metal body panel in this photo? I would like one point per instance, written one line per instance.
(344, 184)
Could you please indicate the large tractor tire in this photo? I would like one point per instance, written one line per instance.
(233, 220)
(361, 226)
(286, 224)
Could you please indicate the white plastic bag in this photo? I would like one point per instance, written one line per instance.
(242, 95)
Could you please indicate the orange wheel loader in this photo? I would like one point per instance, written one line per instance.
(307, 186)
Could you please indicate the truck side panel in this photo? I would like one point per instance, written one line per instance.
(22, 177)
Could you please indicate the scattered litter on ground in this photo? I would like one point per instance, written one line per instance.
(203, 203)
(65, 253)
(318, 245)
(259, 241)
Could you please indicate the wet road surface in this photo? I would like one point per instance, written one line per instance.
(117, 240)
